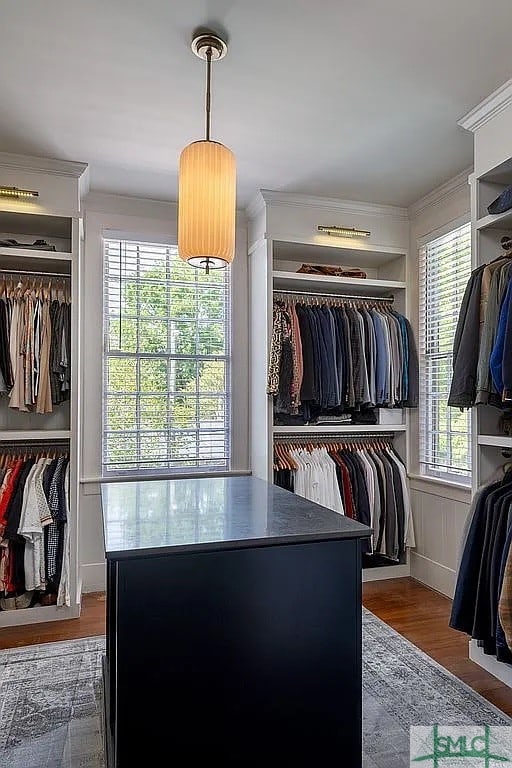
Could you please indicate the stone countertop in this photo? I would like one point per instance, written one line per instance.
(156, 517)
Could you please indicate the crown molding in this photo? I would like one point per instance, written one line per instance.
(256, 205)
(440, 194)
(495, 103)
(42, 165)
(267, 197)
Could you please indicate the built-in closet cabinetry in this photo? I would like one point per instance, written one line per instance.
(283, 234)
(44, 254)
(491, 124)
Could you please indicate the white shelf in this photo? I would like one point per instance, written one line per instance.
(336, 429)
(34, 434)
(501, 221)
(353, 285)
(335, 250)
(38, 615)
(36, 253)
(499, 441)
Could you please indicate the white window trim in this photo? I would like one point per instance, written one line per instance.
(448, 481)
(150, 220)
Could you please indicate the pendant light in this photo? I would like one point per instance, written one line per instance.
(207, 184)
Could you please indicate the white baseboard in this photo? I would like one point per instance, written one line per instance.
(94, 577)
(497, 668)
(386, 572)
(433, 574)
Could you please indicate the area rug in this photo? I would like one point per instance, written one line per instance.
(50, 701)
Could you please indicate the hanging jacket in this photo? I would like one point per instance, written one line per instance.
(466, 345)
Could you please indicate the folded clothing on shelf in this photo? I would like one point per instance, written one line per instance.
(319, 269)
(40, 245)
(326, 418)
(365, 416)
(502, 203)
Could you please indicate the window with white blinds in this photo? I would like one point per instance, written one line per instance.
(166, 363)
(445, 432)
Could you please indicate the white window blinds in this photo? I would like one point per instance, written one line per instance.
(166, 363)
(445, 439)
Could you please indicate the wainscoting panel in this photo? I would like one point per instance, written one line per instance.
(439, 521)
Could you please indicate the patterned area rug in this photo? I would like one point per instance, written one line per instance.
(50, 701)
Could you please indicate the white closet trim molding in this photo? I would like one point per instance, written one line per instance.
(439, 195)
(350, 207)
(495, 103)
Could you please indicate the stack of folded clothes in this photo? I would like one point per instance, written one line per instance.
(321, 269)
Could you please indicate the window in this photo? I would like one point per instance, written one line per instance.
(166, 363)
(445, 439)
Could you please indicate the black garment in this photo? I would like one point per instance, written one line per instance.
(486, 606)
(327, 362)
(284, 479)
(315, 337)
(5, 356)
(342, 354)
(413, 372)
(17, 542)
(350, 398)
(462, 615)
(466, 345)
(365, 416)
(391, 510)
(307, 390)
(400, 509)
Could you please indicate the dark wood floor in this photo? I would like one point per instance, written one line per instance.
(417, 612)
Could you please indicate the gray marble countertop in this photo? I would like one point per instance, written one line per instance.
(200, 514)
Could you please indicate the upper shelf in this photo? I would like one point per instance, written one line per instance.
(357, 286)
(501, 221)
(360, 254)
(339, 429)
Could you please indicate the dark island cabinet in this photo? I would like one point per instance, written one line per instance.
(233, 626)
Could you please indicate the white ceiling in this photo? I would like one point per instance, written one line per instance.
(343, 98)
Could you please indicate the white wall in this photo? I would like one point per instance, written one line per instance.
(154, 221)
(439, 508)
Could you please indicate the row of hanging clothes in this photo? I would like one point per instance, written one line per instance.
(339, 357)
(361, 477)
(482, 349)
(482, 602)
(35, 341)
(34, 526)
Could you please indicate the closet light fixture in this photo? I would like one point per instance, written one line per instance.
(16, 193)
(207, 184)
(344, 231)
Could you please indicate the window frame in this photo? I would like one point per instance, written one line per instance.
(462, 478)
(227, 394)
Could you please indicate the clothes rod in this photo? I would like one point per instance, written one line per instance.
(37, 274)
(333, 437)
(348, 296)
(17, 448)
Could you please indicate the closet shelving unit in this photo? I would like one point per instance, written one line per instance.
(282, 235)
(491, 124)
(54, 215)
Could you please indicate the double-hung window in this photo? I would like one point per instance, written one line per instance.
(445, 432)
(166, 362)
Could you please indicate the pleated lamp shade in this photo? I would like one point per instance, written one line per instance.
(207, 205)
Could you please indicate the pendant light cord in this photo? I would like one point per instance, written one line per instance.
(208, 91)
